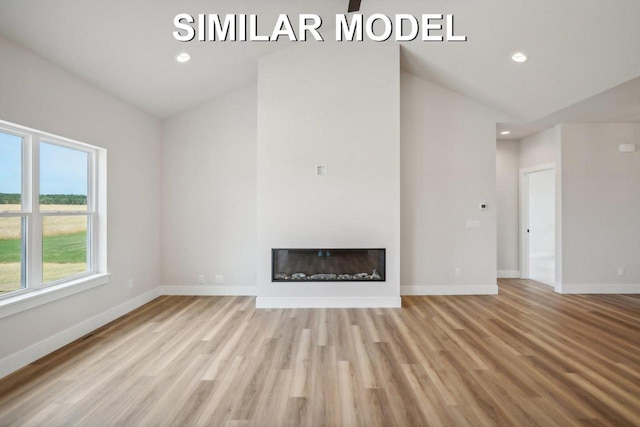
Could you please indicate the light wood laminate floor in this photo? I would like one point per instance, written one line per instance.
(524, 357)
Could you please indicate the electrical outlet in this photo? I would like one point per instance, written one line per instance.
(130, 283)
(458, 271)
(201, 278)
(219, 278)
(473, 224)
(620, 271)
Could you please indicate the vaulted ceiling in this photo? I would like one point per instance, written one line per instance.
(577, 48)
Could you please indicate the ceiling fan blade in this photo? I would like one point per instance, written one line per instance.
(354, 5)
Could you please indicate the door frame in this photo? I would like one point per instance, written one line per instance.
(524, 216)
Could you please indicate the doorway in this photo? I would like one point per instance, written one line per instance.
(538, 223)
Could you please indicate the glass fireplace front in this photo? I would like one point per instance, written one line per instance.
(327, 265)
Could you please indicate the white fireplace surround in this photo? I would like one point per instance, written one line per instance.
(310, 112)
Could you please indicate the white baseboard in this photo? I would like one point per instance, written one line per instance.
(450, 290)
(509, 274)
(22, 358)
(208, 290)
(328, 302)
(611, 288)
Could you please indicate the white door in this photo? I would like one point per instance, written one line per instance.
(540, 224)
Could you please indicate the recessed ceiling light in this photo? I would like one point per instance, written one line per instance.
(519, 57)
(505, 132)
(183, 57)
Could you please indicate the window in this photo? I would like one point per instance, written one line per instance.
(52, 205)
(12, 221)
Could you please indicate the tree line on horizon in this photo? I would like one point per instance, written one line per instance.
(46, 199)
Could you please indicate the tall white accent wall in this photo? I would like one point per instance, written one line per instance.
(448, 170)
(336, 105)
(600, 208)
(36, 94)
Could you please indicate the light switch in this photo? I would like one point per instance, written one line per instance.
(627, 148)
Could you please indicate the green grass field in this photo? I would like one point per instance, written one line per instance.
(9, 251)
(62, 249)
(65, 248)
(63, 255)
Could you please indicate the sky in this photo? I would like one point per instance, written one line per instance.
(62, 170)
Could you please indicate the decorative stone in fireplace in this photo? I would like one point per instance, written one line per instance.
(327, 265)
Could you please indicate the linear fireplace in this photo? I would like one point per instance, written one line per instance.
(327, 265)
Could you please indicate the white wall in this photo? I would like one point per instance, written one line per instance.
(507, 170)
(209, 192)
(36, 94)
(539, 149)
(601, 208)
(448, 169)
(337, 105)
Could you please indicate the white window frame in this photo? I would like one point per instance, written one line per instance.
(36, 292)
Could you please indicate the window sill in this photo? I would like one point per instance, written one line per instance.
(29, 300)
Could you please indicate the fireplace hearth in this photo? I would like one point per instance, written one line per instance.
(327, 265)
